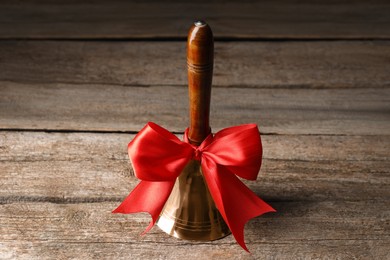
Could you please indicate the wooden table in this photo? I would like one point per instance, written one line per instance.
(78, 80)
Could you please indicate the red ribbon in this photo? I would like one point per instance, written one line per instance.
(158, 157)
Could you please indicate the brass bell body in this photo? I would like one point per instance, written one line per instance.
(190, 212)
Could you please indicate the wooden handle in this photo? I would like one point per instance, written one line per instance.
(200, 60)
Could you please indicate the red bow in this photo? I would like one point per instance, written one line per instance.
(158, 157)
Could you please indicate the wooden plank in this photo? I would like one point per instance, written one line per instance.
(91, 167)
(280, 19)
(113, 108)
(298, 230)
(323, 64)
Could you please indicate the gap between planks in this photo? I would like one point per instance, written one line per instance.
(69, 131)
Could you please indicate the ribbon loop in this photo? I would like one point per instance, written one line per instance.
(158, 157)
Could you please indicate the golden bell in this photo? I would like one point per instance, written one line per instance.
(190, 212)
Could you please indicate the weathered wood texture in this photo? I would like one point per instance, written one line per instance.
(322, 102)
(330, 229)
(231, 19)
(58, 190)
(323, 64)
(112, 108)
(92, 167)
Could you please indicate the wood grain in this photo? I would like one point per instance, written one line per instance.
(79, 79)
(58, 189)
(40, 19)
(112, 108)
(323, 64)
(91, 167)
(318, 229)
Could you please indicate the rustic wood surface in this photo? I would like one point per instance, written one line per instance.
(82, 167)
(280, 111)
(58, 190)
(79, 80)
(286, 64)
(248, 19)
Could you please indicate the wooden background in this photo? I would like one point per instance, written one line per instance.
(78, 80)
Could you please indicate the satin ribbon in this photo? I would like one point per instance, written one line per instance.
(158, 157)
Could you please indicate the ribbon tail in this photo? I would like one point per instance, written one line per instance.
(236, 202)
(147, 197)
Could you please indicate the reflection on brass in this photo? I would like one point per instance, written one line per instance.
(190, 212)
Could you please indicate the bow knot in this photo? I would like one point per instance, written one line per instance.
(158, 157)
(198, 154)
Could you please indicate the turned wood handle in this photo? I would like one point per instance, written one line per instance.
(200, 60)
